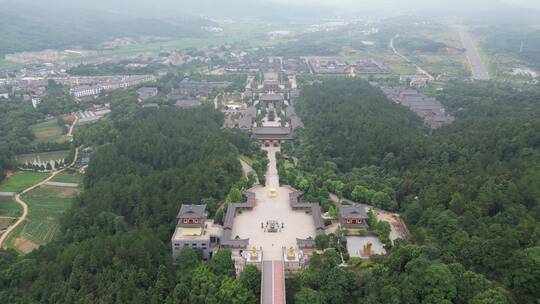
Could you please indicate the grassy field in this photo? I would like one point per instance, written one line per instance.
(449, 65)
(22, 180)
(9, 212)
(48, 131)
(46, 205)
(69, 177)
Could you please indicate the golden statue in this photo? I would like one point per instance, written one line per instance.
(254, 253)
(290, 253)
(367, 249)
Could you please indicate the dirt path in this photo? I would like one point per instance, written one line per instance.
(418, 68)
(70, 133)
(18, 199)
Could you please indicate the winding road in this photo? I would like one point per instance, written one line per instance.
(19, 200)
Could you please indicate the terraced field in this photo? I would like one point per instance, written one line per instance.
(46, 205)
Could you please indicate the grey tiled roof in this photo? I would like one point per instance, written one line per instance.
(192, 211)
(355, 211)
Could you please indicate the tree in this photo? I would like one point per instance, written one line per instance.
(307, 296)
(222, 263)
(526, 276)
(234, 196)
(233, 292)
(218, 218)
(187, 258)
(250, 278)
(360, 194)
(322, 241)
(204, 287)
(439, 283)
(491, 296)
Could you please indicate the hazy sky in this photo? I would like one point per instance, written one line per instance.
(379, 3)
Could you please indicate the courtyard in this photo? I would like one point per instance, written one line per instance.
(272, 204)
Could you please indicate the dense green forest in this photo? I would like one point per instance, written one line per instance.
(419, 44)
(468, 191)
(115, 240)
(15, 118)
(508, 40)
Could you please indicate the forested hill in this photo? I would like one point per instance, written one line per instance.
(35, 27)
(354, 124)
(469, 192)
(115, 243)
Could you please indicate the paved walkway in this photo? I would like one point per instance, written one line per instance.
(273, 282)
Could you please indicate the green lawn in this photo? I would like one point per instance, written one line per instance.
(9, 212)
(69, 176)
(48, 131)
(10, 208)
(46, 205)
(22, 180)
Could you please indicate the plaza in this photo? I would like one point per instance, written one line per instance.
(271, 206)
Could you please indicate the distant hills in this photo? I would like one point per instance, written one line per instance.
(33, 27)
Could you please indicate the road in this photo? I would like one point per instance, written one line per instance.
(478, 69)
(19, 200)
(419, 69)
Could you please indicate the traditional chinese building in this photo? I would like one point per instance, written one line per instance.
(353, 216)
(195, 231)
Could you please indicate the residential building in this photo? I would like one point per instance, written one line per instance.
(85, 90)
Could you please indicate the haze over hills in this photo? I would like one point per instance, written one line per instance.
(27, 25)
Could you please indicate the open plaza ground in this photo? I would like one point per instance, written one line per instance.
(296, 223)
